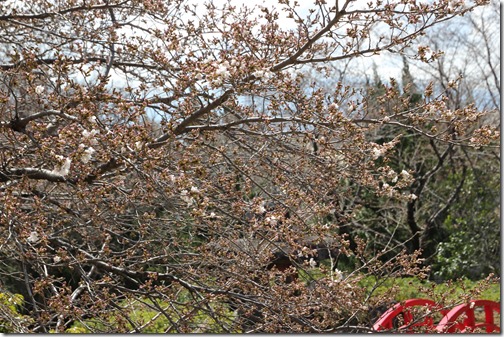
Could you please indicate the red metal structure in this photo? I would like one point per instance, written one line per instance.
(459, 319)
(389, 319)
(462, 319)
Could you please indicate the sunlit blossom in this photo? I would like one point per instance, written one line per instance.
(139, 145)
(377, 153)
(263, 73)
(87, 155)
(89, 134)
(184, 195)
(334, 106)
(39, 89)
(222, 70)
(33, 238)
(337, 275)
(271, 220)
(64, 168)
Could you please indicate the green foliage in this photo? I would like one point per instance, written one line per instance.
(11, 301)
(472, 248)
(411, 287)
(456, 216)
(76, 329)
(455, 256)
(147, 318)
(10, 317)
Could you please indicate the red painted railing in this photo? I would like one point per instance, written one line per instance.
(459, 319)
(462, 318)
(390, 318)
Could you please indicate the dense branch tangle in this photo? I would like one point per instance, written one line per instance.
(142, 143)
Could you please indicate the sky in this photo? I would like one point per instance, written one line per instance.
(387, 65)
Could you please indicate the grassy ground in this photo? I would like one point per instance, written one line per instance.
(409, 287)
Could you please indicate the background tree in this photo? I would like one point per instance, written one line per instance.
(433, 213)
(477, 70)
(165, 157)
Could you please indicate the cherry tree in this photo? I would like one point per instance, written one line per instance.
(173, 158)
